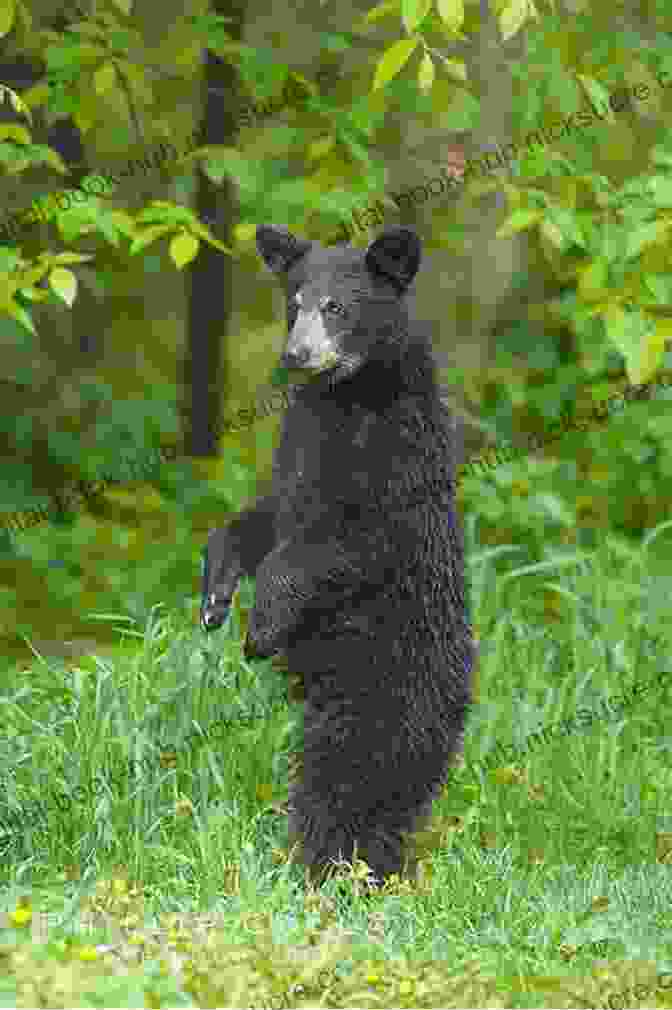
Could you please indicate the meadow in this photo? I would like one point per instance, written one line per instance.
(143, 851)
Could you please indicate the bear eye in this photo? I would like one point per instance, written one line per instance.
(329, 304)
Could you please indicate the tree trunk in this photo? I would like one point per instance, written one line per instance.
(210, 290)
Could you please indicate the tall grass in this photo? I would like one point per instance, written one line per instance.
(171, 761)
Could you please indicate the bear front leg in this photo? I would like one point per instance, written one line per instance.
(294, 577)
(232, 551)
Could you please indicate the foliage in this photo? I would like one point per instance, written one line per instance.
(609, 245)
(621, 281)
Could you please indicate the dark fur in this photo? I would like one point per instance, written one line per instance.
(358, 557)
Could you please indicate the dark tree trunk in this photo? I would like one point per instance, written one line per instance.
(211, 275)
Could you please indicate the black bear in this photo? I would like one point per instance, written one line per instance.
(357, 553)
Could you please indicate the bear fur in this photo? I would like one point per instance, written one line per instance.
(358, 553)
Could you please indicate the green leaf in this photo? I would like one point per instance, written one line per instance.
(163, 210)
(652, 351)
(593, 281)
(12, 131)
(336, 42)
(348, 138)
(64, 283)
(647, 235)
(621, 326)
(219, 162)
(121, 39)
(426, 73)
(261, 71)
(382, 10)
(451, 13)
(292, 193)
(455, 69)
(279, 376)
(17, 312)
(392, 61)
(183, 248)
(599, 95)
(552, 233)
(104, 79)
(512, 18)
(660, 188)
(413, 12)
(568, 224)
(660, 286)
(70, 257)
(660, 156)
(17, 103)
(454, 108)
(320, 148)
(7, 15)
(519, 221)
(148, 236)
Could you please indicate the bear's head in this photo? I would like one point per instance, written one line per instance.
(345, 305)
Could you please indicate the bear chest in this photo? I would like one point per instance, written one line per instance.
(333, 464)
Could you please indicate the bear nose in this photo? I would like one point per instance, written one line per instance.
(295, 359)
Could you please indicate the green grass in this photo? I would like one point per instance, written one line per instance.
(543, 883)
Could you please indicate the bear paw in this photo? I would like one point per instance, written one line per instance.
(259, 642)
(214, 612)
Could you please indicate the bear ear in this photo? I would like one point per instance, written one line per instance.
(395, 255)
(278, 248)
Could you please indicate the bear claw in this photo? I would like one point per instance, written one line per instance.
(214, 613)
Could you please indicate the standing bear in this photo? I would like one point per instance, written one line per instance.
(357, 553)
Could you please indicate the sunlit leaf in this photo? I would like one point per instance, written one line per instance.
(520, 220)
(17, 312)
(13, 131)
(598, 94)
(455, 69)
(392, 61)
(651, 352)
(15, 101)
(593, 280)
(183, 248)
(451, 13)
(426, 73)
(244, 232)
(382, 10)
(512, 18)
(104, 79)
(64, 283)
(413, 12)
(619, 328)
(319, 148)
(552, 233)
(647, 235)
(148, 236)
(70, 257)
(7, 14)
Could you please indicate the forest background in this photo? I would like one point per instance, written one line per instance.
(139, 319)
